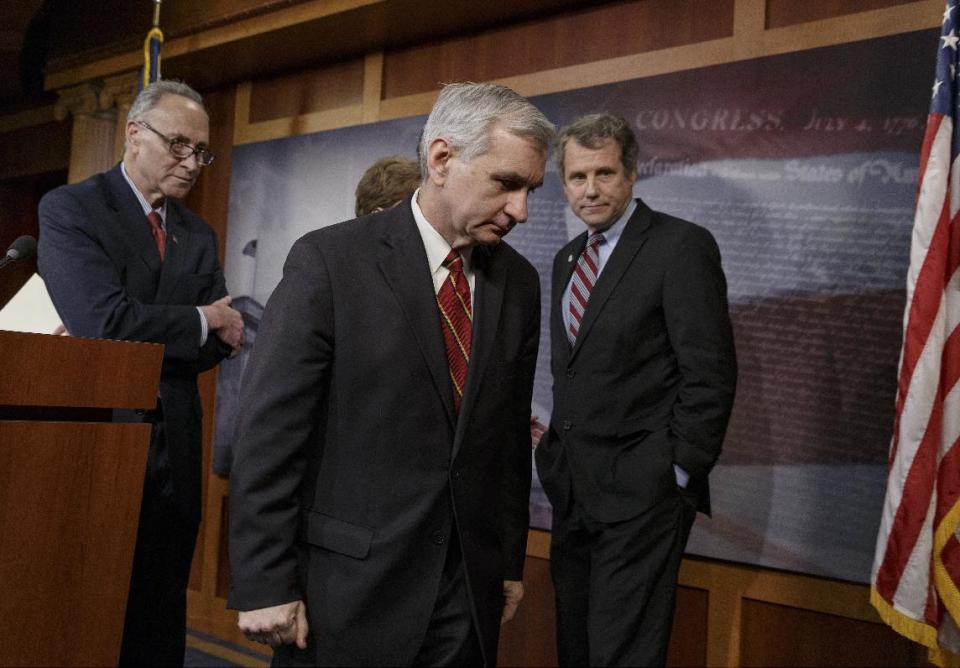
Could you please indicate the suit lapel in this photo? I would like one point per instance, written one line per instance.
(490, 278)
(403, 262)
(633, 237)
(130, 224)
(177, 243)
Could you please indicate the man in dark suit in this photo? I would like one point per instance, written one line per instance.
(644, 373)
(380, 483)
(124, 259)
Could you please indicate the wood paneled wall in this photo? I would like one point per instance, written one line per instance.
(574, 38)
(209, 198)
(19, 198)
(36, 152)
(732, 615)
(728, 614)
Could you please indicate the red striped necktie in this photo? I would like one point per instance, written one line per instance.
(456, 315)
(584, 277)
(159, 235)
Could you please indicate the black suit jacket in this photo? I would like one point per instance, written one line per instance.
(104, 275)
(352, 471)
(650, 381)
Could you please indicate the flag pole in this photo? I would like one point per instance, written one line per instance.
(151, 49)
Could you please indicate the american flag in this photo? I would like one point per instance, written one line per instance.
(916, 570)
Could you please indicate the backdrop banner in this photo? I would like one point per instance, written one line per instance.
(804, 167)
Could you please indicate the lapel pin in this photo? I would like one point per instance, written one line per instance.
(175, 239)
(570, 258)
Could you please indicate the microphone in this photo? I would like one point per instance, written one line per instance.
(23, 248)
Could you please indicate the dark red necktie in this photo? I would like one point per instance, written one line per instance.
(159, 235)
(584, 276)
(456, 315)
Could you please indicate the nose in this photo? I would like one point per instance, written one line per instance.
(591, 186)
(191, 162)
(516, 206)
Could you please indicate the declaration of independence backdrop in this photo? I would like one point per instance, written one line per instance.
(804, 167)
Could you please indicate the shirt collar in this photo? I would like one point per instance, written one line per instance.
(436, 246)
(144, 204)
(612, 234)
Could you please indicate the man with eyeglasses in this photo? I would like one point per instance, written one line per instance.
(123, 258)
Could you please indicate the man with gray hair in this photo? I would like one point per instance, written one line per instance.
(124, 259)
(380, 483)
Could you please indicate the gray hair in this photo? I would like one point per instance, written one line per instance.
(593, 131)
(150, 97)
(465, 115)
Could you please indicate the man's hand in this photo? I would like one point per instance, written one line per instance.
(278, 625)
(225, 322)
(512, 595)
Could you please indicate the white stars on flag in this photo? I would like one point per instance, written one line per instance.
(950, 40)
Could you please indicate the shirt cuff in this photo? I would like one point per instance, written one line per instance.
(204, 329)
(682, 476)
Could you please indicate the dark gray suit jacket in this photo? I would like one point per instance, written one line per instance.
(104, 274)
(352, 471)
(650, 381)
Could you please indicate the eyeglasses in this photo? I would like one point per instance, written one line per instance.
(181, 149)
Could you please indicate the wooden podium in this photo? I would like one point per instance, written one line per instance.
(70, 487)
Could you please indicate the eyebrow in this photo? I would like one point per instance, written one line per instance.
(515, 177)
(189, 140)
(180, 137)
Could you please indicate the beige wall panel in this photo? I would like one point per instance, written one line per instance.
(330, 87)
(209, 198)
(782, 13)
(179, 18)
(210, 195)
(35, 149)
(776, 635)
(688, 638)
(530, 640)
(572, 38)
(222, 589)
(91, 145)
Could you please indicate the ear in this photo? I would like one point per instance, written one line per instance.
(439, 154)
(132, 133)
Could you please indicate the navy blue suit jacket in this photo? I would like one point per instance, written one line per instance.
(352, 469)
(105, 277)
(650, 381)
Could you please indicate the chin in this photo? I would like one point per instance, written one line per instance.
(177, 193)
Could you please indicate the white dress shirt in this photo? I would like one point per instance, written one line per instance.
(437, 250)
(162, 212)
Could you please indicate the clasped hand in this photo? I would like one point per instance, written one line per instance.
(225, 321)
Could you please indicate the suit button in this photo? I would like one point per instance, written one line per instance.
(567, 425)
(456, 475)
(438, 538)
(571, 373)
